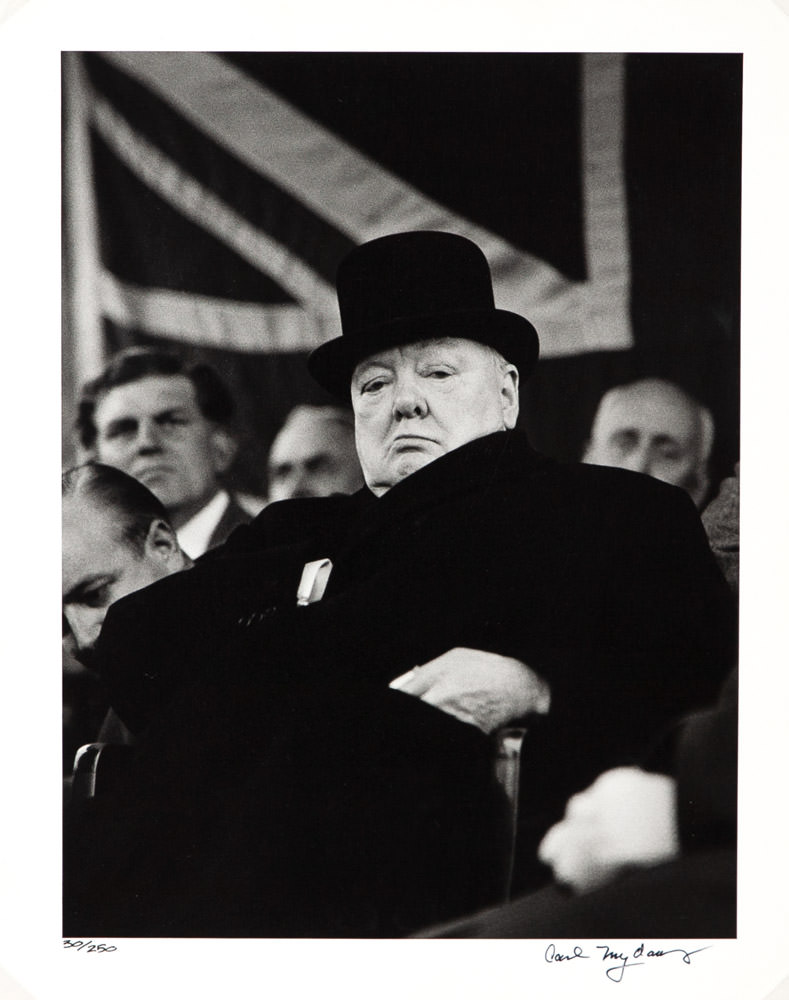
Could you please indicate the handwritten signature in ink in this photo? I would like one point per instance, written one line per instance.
(625, 959)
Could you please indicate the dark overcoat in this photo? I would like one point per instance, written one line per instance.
(279, 787)
(232, 517)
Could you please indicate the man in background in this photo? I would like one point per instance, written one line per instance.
(167, 423)
(314, 455)
(116, 539)
(653, 426)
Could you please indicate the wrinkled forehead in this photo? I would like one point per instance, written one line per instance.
(148, 395)
(307, 431)
(650, 412)
(431, 349)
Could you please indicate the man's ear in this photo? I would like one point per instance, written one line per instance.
(697, 485)
(224, 447)
(510, 405)
(161, 544)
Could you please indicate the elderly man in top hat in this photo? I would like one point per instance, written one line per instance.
(314, 756)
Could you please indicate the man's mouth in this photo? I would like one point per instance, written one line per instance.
(152, 472)
(411, 440)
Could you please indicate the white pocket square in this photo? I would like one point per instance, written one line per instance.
(314, 578)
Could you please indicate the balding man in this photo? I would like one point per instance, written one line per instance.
(316, 759)
(655, 427)
(116, 539)
(313, 455)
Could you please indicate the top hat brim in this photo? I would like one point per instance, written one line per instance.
(332, 364)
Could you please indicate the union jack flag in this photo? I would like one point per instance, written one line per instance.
(209, 198)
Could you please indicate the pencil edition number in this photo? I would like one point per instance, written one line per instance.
(88, 946)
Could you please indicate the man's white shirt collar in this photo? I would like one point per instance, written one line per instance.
(195, 535)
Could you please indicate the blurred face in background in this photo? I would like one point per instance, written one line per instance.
(654, 428)
(153, 430)
(417, 402)
(314, 455)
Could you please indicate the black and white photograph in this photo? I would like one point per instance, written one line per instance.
(256, 774)
(403, 413)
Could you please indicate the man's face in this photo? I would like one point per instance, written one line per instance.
(153, 430)
(418, 402)
(313, 456)
(650, 431)
(99, 567)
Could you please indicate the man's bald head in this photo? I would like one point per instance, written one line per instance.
(94, 487)
(653, 426)
(116, 539)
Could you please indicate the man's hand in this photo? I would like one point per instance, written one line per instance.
(484, 689)
(626, 818)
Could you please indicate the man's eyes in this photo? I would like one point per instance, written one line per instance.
(373, 385)
(129, 428)
(96, 597)
(318, 463)
(126, 429)
(625, 441)
(377, 383)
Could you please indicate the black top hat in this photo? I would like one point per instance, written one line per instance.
(416, 286)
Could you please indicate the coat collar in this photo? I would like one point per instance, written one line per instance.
(488, 462)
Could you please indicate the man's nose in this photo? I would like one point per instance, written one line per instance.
(148, 437)
(639, 460)
(408, 401)
(300, 484)
(85, 626)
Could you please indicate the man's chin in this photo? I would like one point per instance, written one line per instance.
(162, 486)
(397, 469)
(154, 477)
(410, 462)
